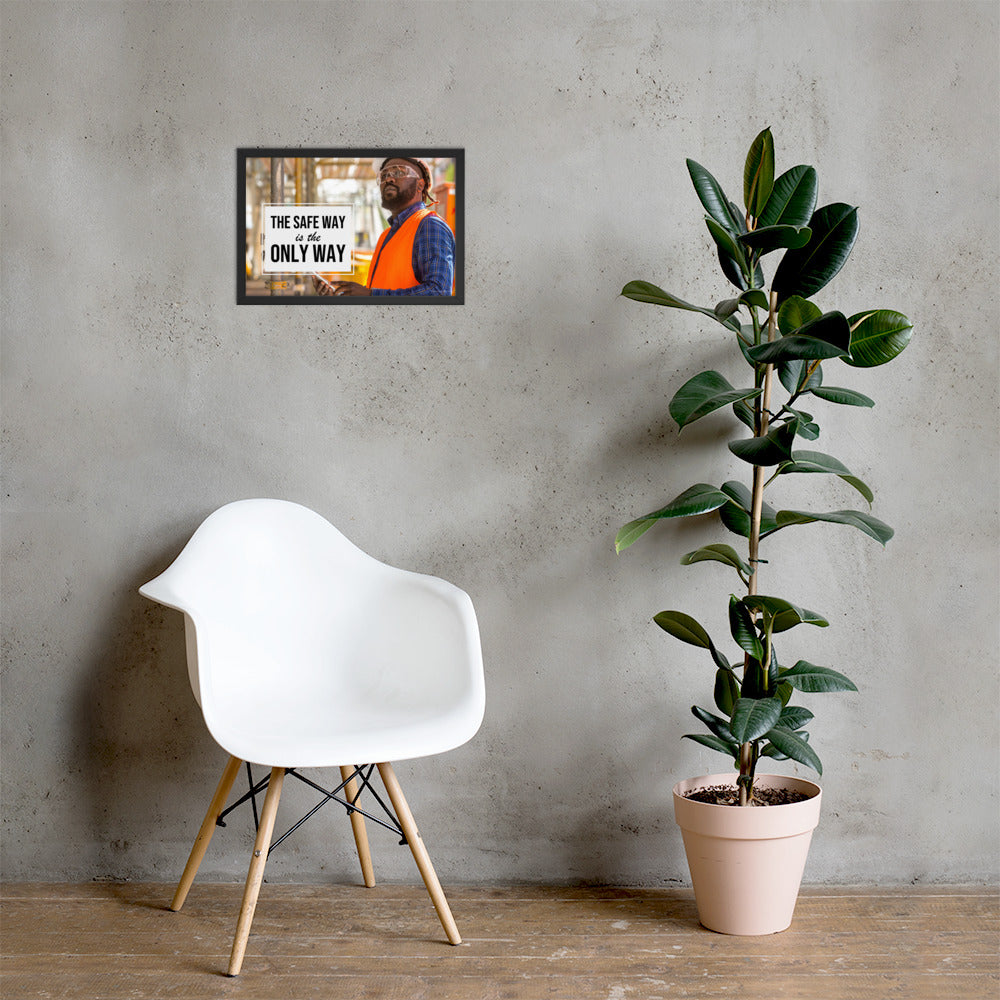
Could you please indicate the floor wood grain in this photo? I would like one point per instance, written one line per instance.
(109, 941)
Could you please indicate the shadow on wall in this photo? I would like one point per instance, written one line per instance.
(625, 824)
(146, 746)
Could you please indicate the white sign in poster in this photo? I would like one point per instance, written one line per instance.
(301, 239)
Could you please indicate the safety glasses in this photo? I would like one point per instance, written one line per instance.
(387, 172)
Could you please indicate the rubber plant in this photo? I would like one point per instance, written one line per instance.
(787, 341)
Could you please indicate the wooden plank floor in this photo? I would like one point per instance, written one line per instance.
(104, 941)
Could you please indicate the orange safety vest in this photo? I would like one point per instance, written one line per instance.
(394, 260)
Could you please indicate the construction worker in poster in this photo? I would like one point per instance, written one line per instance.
(416, 254)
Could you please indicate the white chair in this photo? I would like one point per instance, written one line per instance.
(303, 651)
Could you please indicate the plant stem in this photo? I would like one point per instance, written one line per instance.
(766, 663)
(746, 773)
(757, 506)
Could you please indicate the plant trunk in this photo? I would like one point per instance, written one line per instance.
(747, 755)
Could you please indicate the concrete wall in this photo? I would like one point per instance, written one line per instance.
(502, 443)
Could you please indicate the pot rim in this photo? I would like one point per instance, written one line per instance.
(765, 823)
(810, 788)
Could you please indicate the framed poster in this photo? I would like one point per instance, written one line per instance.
(343, 226)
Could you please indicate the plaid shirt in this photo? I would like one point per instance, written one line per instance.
(433, 255)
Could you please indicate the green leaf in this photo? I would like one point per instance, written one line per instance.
(745, 343)
(738, 493)
(736, 520)
(793, 375)
(770, 238)
(795, 312)
(758, 173)
(784, 620)
(727, 691)
(828, 336)
(753, 717)
(631, 532)
(713, 198)
(718, 553)
(744, 414)
(878, 337)
(805, 271)
(645, 291)
(703, 394)
(872, 526)
(720, 727)
(794, 717)
(775, 607)
(794, 746)
(795, 347)
(731, 749)
(720, 661)
(743, 630)
(683, 627)
(793, 198)
(754, 683)
(724, 309)
(755, 297)
(816, 461)
(772, 448)
(736, 268)
(862, 487)
(846, 397)
(815, 680)
(736, 514)
(728, 245)
(698, 499)
(732, 270)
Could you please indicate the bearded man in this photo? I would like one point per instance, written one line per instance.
(416, 254)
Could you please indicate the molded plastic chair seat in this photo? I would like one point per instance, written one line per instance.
(304, 651)
(333, 728)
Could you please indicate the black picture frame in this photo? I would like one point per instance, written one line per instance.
(317, 174)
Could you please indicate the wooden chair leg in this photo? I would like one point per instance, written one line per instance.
(420, 854)
(256, 873)
(204, 837)
(358, 826)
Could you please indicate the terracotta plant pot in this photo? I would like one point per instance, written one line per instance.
(746, 862)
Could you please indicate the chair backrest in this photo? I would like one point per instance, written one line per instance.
(250, 554)
(274, 595)
(277, 574)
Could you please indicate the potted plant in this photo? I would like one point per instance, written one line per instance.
(786, 339)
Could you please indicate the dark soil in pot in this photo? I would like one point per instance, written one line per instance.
(729, 795)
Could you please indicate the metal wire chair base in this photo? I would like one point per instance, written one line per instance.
(362, 774)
